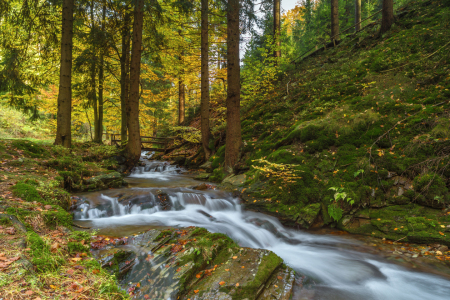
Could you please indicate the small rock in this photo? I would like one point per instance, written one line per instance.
(10, 230)
(443, 248)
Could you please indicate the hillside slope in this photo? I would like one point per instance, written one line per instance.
(370, 119)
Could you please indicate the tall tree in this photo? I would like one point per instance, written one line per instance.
(63, 128)
(181, 100)
(277, 27)
(93, 88)
(101, 80)
(387, 18)
(125, 72)
(334, 20)
(181, 95)
(134, 138)
(357, 15)
(204, 102)
(233, 129)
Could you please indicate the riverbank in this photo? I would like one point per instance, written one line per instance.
(41, 256)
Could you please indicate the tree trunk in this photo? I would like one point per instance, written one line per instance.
(93, 92)
(101, 81)
(204, 102)
(357, 15)
(387, 18)
(134, 138)
(63, 128)
(124, 74)
(277, 27)
(181, 100)
(334, 20)
(233, 130)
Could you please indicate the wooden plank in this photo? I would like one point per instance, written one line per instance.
(157, 143)
(154, 149)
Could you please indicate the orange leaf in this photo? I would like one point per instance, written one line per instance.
(227, 270)
(222, 282)
(196, 291)
(237, 284)
(279, 277)
(138, 285)
(234, 257)
(441, 233)
(198, 275)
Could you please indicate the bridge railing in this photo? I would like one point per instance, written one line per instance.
(147, 142)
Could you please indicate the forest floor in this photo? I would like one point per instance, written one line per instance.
(356, 137)
(41, 257)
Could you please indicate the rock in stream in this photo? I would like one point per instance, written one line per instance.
(192, 263)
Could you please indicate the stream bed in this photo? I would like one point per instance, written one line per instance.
(327, 267)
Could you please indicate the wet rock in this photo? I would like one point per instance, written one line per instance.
(105, 181)
(203, 176)
(308, 214)
(163, 201)
(207, 165)
(170, 264)
(234, 180)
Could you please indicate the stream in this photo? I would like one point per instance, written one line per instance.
(327, 267)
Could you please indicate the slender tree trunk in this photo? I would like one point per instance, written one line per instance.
(181, 100)
(277, 27)
(335, 20)
(357, 15)
(233, 130)
(134, 138)
(100, 82)
(387, 18)
(204, 101)
(93, 92)
(64, 114)
(124, 74)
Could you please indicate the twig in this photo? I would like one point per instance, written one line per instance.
(400, 239)
(79, 226)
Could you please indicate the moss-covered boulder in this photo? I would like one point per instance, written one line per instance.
(193, 263)
(105, 181)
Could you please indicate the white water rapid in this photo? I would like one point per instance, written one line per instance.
(328, 267)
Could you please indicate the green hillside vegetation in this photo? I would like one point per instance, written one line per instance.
(369, 118)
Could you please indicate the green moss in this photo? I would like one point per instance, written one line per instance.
(218, 175)
(57, 217)
(77, 247)
(432, 187)
(269, 263)
(27, 192)
(43, 259)
(30, 149)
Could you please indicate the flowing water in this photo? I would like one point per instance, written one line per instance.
(327, 267)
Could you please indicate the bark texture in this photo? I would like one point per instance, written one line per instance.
(124, 74)
(357, 15)
(204, 101)
(100, 83)
(277, 27)
(64, 114)
(181, 100)
(233, 130)
(334, 20)
(387, 18)
(93, 92)
(134, 139)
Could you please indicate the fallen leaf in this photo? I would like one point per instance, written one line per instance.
(196, 291)
(234, 257)
(237, 284)
(227, 270)
(279, 277)
(138, 284)
(29, 293)
(441, 233)
(222, 282)
(96, 271)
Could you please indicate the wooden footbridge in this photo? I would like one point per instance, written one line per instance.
(148, 143)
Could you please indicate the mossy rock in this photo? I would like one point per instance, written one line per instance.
(433, 189)
(31, 149)
(27, 192)
(308, 214)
